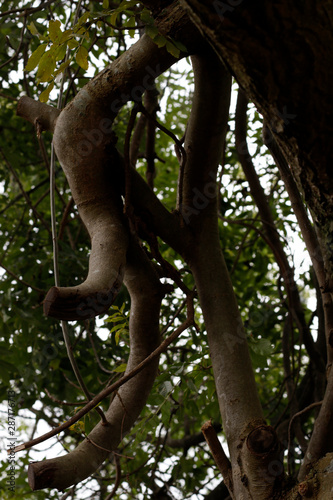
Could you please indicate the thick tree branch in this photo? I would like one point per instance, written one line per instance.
(236, 391)
(253, 39)
(146, 294)
(38, 112)
(84, 143)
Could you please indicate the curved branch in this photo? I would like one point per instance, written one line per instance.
(112, 388)
(146, 295)
(85, 146)
(321, 441)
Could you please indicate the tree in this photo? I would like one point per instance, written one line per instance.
(200, 244)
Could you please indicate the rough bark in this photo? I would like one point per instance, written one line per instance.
(279, 54)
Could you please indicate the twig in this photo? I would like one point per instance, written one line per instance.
(27, 10)
(19, 196)
(118, 477)
(65, 216)
(298, 414)
(219, 456)
(9, 97)
(130, 126)
(25, 283)
(19, 47)
(24, 193)
(75, 403)
(96, 354)
(106, 392)
(180, 151)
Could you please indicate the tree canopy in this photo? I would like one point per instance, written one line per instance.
(166, 236)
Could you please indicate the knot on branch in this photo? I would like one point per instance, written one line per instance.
(262, 441)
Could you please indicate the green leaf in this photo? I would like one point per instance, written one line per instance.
(126, 4)
(61, 52)
(46, 66)
(151, 31)
(191, 385)
(179, 45)
(146, 17)
(117, 336)
(113, 18)
(35, 57)
(131, 24)
(262, 346)
(32, 28)
(172, 49)
(62, 67)
(45, 94)
(105, 4)
(66, 35)
(165, 388)
(6, 369)
(54, 30)
(78, 427)
(83, 19)
(82, 57)
(121, 368)
(160, 40)
(72, 44)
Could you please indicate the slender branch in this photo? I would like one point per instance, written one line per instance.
(296, 415)
(307, 229)
(164, 129)
(270, 229)
(321, 441)
(15, 99)
(64, 219)
(96, 354)
(24, 193)
(28, 10)
(221, 460)
(25, 283)
(65, 403)
(19, 46)
(118, 478)
(130, 125)
(151, 104)
(109, 390)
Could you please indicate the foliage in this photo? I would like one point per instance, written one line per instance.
(34, 362)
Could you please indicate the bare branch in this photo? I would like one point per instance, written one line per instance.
(38, 112)
(219, 456)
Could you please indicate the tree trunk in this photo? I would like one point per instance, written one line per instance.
(280, 54)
